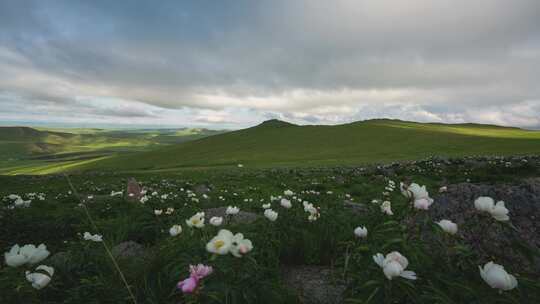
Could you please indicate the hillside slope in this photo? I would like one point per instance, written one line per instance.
(276, 143)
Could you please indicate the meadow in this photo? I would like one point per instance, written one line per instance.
(110, 243)
(277, 213)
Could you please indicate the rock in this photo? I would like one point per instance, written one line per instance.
(314, 284)
(129, 249)
(356, 208)
(488, 237)
(201, 189)
(242, 217)
(133, 190)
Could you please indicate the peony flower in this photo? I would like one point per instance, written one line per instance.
(216, 221)
(196, 273)
(361, 232)
(288, 193)
(40, 279)
(188, 285)
(423, 203)
(200, 271)
(240, 246)
(158, 212)
(448, 226)
(93, 237)
(266, 206)
(487, 204)
(221, 243)
(386, 207)
(484, 204)
(285, 203)
(394, 265)
(30, 254)
(271, 214)
(196, 220)
(496, 277)
(175, 230)
(499, 212)
(232, 210)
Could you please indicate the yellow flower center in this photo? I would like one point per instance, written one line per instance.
(219, 244)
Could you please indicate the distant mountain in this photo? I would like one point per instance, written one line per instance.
(275, 143)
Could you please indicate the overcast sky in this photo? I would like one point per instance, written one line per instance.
(235, 63)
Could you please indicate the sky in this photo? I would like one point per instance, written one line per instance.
(232, 64)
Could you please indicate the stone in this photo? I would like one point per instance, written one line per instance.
(314, 284)
(129, 249)
(242, 217)
(133, 190)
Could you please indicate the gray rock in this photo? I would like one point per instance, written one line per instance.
(314, 284)
(129, 249)
(356, 208)
(201, 189)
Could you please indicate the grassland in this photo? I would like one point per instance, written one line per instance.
(276, 143)
(25, 150)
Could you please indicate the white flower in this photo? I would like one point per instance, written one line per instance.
(240, 246)
(175, 230)
(216, 221)
(30, 254)
(285, 203)
(487, 204)
(158, 211)
(484, 204)
(271, 214)
(394, 265)
(240, 166)
(448, 226)
(232, 210)
(418, 193)
(361, 232)
(40, 279)
(288, 193)
(496, 277)
(499, 212)
(266, 206)
(386, 207)
(169, 211)
(423, 203)
(196, 220)
(92, 237)
(221, 243)
(443, 189)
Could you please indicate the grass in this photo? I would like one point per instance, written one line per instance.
(280, 144)
(447, 266)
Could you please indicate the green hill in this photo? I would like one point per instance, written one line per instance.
(275, 143)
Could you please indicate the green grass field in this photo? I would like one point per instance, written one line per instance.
(276, 143)
(25, 150)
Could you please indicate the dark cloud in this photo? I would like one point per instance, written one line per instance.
(314, 61)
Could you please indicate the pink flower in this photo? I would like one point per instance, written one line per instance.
(196, 273)
(188, 285)
(200, 271)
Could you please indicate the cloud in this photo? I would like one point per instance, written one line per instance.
(233, 62)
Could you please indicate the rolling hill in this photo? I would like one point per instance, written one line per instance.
(25, 150)
(278, 143)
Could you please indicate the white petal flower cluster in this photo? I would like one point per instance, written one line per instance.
(196, 221)
(487, 204)
(271, 215)
(448, 226)
(92, 237)
(394, 265)
(216, 221)
(419, 194)
(41, 277)
(496, 277)
(285, 203)
(175, 230)
(386, 208)
(361, 232)
(313, 211)
(232, 210)
(226, 242)
(27, 254)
